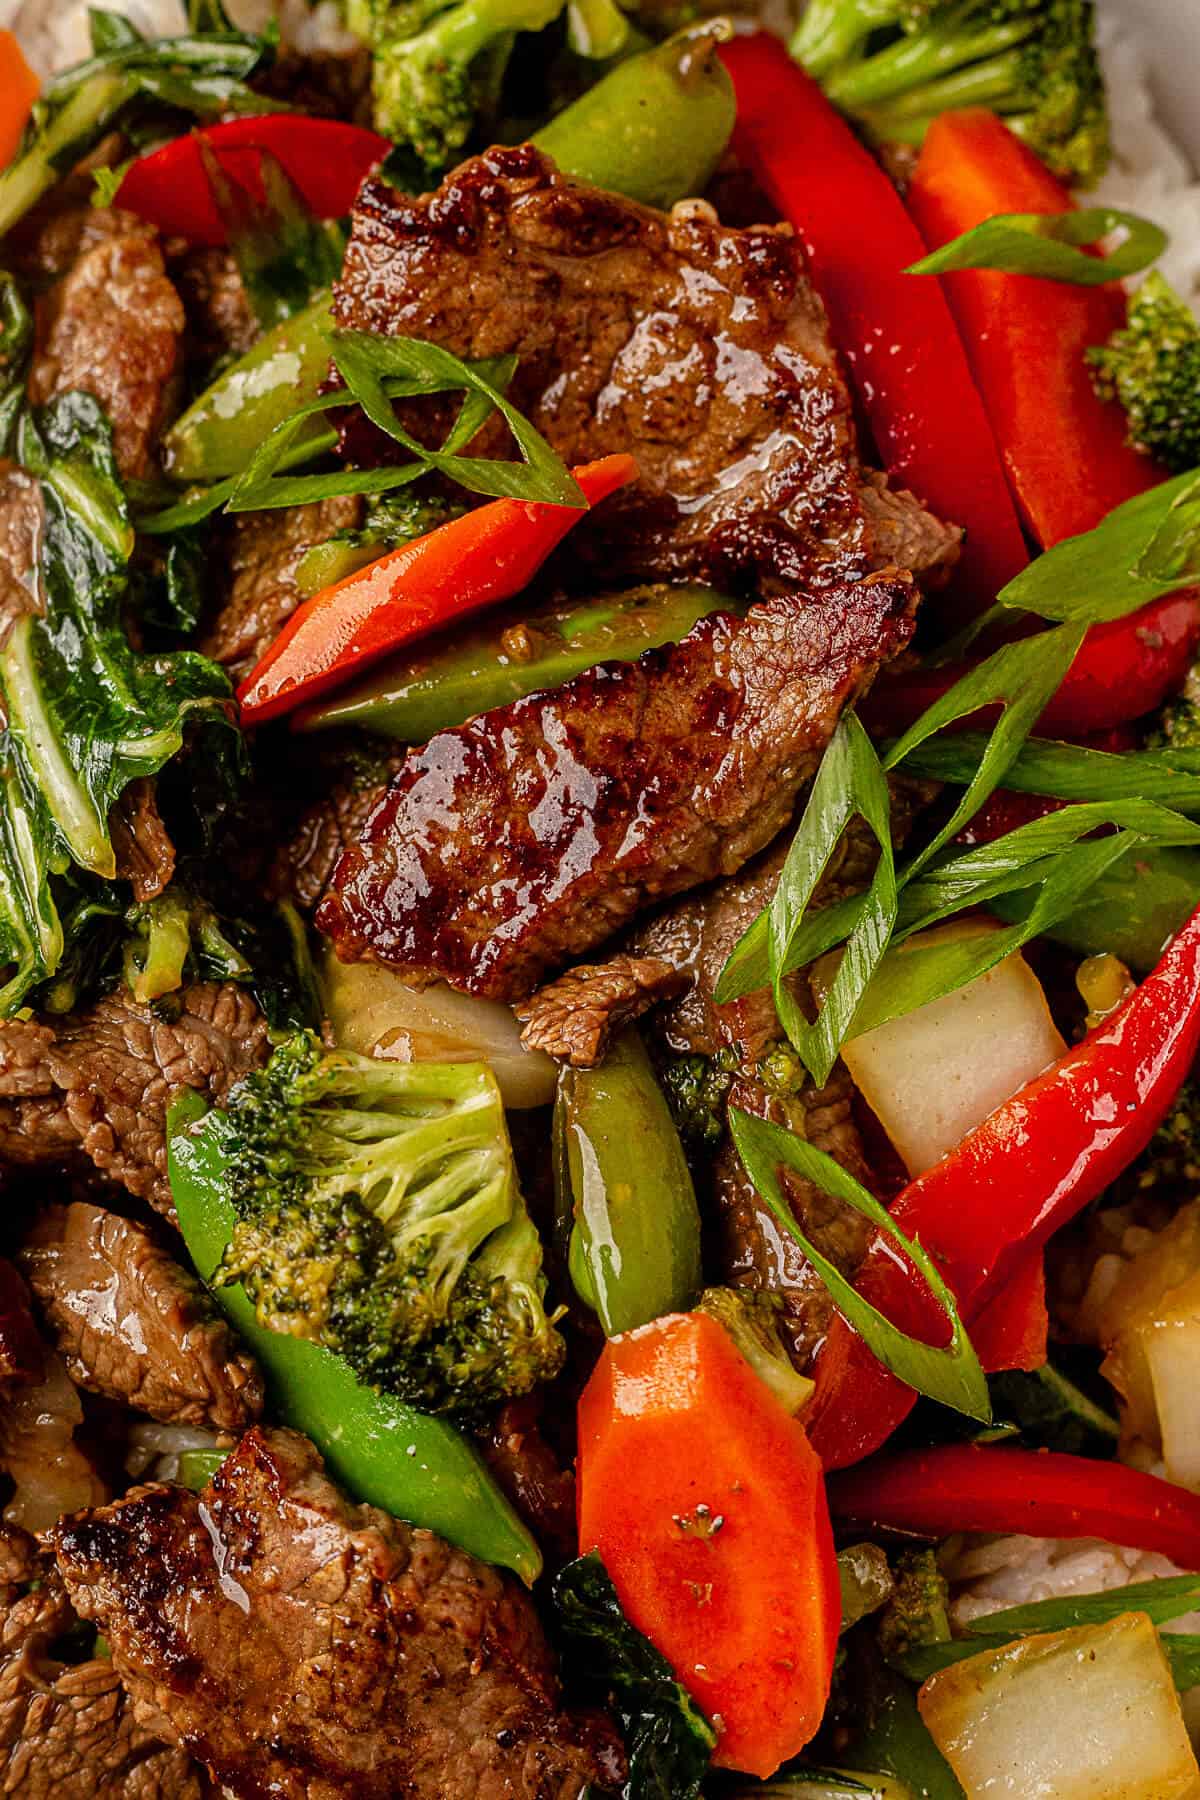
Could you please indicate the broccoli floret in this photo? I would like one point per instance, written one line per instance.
(436, 64)
(1033, 61)
(1178, 724)
(379, 1214)
(696, 1088)
(918, 1612)
(1173, 1154)
(751, 1316)
(1152, 366)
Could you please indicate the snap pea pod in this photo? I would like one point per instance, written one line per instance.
(382, 1451)
(624, 1193)
(655, 127)
(446, 680)
(221, 430)
(1130, 911)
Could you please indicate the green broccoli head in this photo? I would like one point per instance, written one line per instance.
(379, 1214)
(1152, 366)
(917, 1614)
(436, 65)
(696, 1088)
(1033, 61)
(752, 1317)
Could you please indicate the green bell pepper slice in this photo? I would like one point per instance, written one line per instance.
(624, 1191)
(443, 681)
(382, 1451)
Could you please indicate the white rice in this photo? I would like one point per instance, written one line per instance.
(54, 33)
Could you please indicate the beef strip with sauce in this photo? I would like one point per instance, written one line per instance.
(701, 350)
(101, 1081)
(508, 846)
(312, 1649)
(575, 1018)
(132, 1324)
(67, 1730)
(113, 325)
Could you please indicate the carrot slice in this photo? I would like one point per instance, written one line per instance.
(19, 88)
(706, 1503)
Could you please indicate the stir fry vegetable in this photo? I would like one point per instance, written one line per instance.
(956, 1487)
(626, 1204)
(19, 87)
(471, 562)
(1088, 1115)
(448, 679)
(925, 413)
(414, 1466)
(696, 1487)
(324, 159)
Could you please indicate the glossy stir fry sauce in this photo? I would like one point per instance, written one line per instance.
(599, 913)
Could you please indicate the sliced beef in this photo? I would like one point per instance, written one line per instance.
(311, 1649)
(700, 349)
(145, 854)
(67, 1730)
(20, 545)
(261, 554)
(21, 1349)
(113, 326)
(133, 1325)
(540, 1487)
(531, 834)
(575, 1017)
(220, 318)
(101, 1081)
(326, 828)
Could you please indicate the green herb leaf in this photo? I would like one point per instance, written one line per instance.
(950, 1375)
(1069, 772)
(849, 782)
(1045, 244)
(365, 361)
(1143, 549)
(1162, 1599)
(1021, 677)
(668, 1741)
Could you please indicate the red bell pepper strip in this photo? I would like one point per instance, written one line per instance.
(1013, 1329)
(325, 159)
(707, 1505)
(1126, 667)
(1013, 1181)
(485, 556)
(895, 330)
(1041, 1493)
(1065, 449)
(19, 88)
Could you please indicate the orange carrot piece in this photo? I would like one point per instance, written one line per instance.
(19, 88)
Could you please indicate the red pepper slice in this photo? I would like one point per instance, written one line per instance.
(1012, 1330)
(976, 1487)
(1126, 667)
(1021, 1174)
(895, 331)
(1065, 449)
(487, 555)
(325, 159)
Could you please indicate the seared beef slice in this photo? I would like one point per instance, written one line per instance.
(701, 350)
(134, 1325)
(527, 837)
(505, 848)
(310, 1649)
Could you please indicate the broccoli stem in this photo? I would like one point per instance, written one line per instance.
(906, 120)
(916, 70)
(597, 29)
(832, 30)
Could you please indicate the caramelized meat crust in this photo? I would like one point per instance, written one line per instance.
(700, 349)
(310, 1649)
(508, 846)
